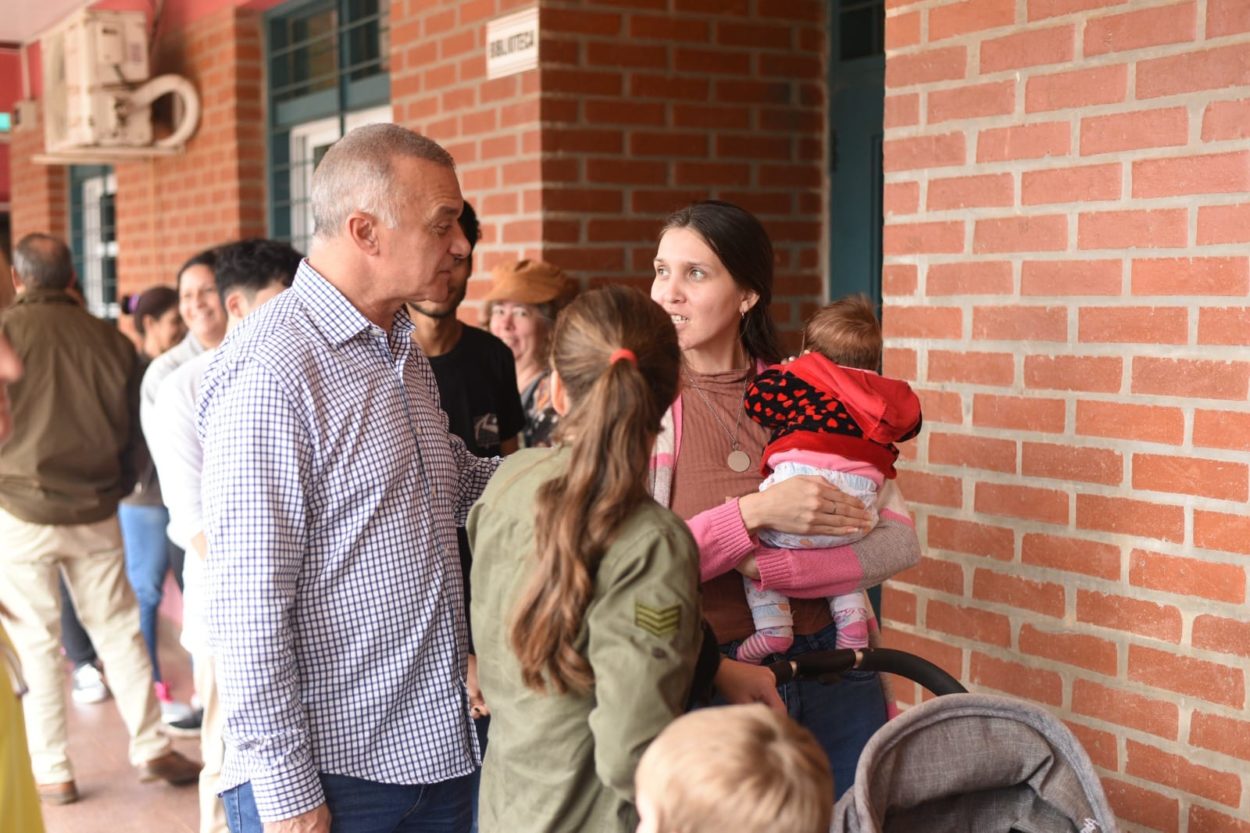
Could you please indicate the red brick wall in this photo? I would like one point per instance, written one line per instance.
(170, 208)
(650, 104)
(1067, 282)
(39, 192)
(634, 112)
(491, 127)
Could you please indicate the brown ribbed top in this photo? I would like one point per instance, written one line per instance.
(702, 480)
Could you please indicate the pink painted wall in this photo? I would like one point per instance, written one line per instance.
(10, 91)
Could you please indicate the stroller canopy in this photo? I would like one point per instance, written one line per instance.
(974, 762)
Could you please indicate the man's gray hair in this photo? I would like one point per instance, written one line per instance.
(43, 262)
(357, 174)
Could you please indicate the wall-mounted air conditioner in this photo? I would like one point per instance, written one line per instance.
(97, 91)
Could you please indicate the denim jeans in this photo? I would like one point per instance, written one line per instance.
(842, 716)
(147, 562)
(359, 806)
(482, 726)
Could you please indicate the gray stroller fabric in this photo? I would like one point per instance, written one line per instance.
(974, 763)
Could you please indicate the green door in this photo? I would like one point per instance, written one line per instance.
(856, 112)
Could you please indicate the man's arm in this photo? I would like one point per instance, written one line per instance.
(10, 371)
(179, 460)
(473, 471)
(149, 386)
(258, 462)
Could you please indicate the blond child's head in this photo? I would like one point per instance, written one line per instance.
(846, 332)
(740, 768)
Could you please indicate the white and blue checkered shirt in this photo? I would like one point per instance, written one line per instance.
(332, 492)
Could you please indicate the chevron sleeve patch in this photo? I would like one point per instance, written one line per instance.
(657, 621)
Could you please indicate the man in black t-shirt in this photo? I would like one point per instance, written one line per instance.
(476, 375)
(475, 370)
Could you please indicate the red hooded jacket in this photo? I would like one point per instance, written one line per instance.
(814, 404)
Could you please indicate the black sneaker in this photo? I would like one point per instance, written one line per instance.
(187, 727)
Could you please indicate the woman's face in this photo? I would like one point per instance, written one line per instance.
(165, 332)
(696, 289)
(200, 305)
(521, 328)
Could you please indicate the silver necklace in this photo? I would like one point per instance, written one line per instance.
(738, 460)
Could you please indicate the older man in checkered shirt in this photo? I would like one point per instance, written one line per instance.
(332, 493)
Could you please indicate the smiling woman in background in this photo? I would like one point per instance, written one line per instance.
(521, 310)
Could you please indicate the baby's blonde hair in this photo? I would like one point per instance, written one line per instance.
(846, 332)
(737, 768)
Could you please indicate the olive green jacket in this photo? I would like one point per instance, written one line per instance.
(565, 762)
(76, 432)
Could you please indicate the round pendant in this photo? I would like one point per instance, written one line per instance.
(739, 461)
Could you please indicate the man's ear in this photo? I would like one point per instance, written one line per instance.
(235, 306)
(362, 228)
(18, 286)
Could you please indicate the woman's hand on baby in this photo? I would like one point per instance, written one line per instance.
(741, 683)
(806, 505)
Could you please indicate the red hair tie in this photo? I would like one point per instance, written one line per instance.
(623, 353)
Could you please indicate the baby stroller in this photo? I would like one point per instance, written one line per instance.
(961, 763)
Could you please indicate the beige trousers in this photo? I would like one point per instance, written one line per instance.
(91, 559)
(212, 744)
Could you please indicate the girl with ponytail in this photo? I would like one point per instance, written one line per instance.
(585, 591)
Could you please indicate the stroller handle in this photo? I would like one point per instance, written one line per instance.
(819, 665)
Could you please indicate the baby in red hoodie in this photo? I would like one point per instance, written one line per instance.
(834, 417)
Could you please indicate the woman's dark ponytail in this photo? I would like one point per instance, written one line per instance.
(151, 303)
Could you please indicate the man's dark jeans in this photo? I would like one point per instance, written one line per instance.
(359, 806)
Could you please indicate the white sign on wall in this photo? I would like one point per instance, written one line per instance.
(512, 44)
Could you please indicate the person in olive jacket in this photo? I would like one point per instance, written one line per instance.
(68, 462)
(585, 591)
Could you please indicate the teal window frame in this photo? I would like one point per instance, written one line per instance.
(296, 36)
(106, 305)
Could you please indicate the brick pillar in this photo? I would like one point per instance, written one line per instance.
(39, 192)
(631, 115)
(169, 208)
(491, 127)
(1067, 283)
(646, 110)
